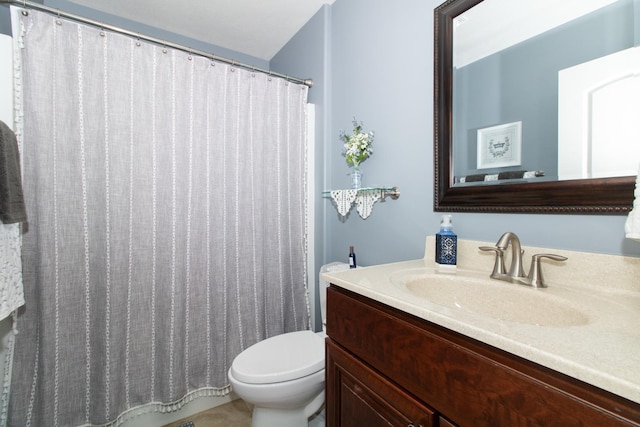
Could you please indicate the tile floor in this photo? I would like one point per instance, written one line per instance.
(232, 414)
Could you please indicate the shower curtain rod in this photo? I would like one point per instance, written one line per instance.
(27, 4)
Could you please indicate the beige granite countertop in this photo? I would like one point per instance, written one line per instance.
(602, 350)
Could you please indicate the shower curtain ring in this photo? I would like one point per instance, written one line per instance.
(24, 11)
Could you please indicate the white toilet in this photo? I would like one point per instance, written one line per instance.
(283, 376)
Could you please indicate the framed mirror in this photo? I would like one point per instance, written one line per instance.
(504, 144)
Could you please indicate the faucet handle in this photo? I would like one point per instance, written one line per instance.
(498, 267)
(535, 272)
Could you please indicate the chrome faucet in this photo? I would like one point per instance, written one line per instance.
(516, 271)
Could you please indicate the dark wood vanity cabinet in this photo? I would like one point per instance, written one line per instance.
(388, 368)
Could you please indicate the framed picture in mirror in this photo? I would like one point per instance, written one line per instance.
(500, 146)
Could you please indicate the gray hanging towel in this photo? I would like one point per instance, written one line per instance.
(12, 207)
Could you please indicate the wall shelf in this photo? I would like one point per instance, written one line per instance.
(363, 198)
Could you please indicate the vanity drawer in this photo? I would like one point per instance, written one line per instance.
(468, 382)
(362, 397)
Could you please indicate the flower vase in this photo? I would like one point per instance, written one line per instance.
(356, 178)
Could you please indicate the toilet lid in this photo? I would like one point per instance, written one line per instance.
(280, 358)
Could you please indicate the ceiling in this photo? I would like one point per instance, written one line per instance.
(259, 28)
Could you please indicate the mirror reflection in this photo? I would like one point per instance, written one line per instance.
(546, 90)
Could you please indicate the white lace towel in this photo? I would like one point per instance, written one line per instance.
(365, 200)
(343, 200)
(632, 226)
(11, 290)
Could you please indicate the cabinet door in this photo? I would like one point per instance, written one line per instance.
(359, 396)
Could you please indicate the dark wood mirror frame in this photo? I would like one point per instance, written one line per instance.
(583, 196)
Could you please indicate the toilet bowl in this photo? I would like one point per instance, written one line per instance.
(283, 376)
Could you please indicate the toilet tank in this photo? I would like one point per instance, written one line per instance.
(323, 285)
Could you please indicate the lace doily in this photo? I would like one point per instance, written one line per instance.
(364, 199)
(343, 200)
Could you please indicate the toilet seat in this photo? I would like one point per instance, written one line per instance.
(280, 358)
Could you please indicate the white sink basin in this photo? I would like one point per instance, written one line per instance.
(494, 299)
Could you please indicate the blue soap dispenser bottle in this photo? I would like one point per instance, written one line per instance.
(446, 246)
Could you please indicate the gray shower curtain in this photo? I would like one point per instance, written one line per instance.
(166, 203)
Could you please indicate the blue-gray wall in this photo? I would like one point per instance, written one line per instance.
(379, 68)
(5, 20)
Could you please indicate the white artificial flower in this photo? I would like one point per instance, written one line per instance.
(357, 146)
